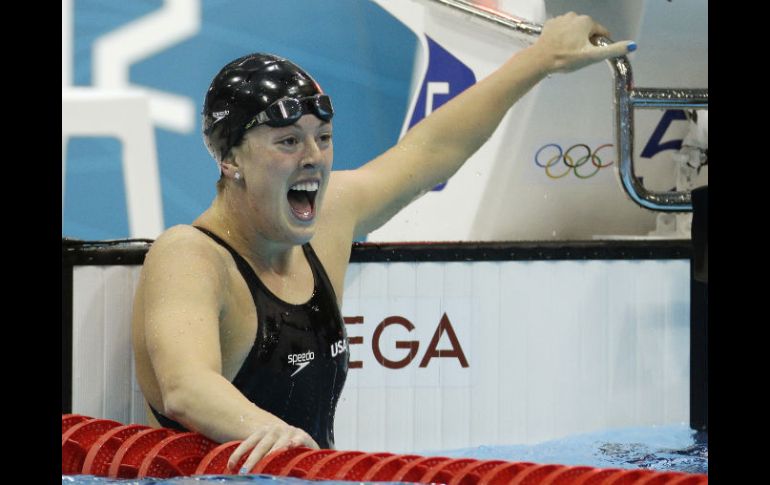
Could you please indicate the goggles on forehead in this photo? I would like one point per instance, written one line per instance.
(287, 111)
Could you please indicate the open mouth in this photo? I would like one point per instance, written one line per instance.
(301, 199)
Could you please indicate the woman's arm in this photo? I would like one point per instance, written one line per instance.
(436, 148)
(184, 285)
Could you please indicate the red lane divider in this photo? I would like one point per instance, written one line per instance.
(355, 469)
(660, 478)
(415, 470)
(327, 467)
(299, 466)
(77, 441)
(275, 462)
(102, 452)
(106, 448)
(444, 472)
(536, 474)
(629, 477)
(690, 480)
(567, 475)
(387, 468)
(176, 455)
(596, 477)
(504, 473)
(128, 458)
(70, 420)
(471, 474)
(215, 462)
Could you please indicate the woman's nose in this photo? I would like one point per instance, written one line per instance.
(312, 155)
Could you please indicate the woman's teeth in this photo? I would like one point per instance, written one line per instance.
(308, 186)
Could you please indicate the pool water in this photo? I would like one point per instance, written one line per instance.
(659, 448)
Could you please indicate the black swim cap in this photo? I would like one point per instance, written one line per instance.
(243, 88)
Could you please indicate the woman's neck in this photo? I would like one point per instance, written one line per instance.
(228, 221)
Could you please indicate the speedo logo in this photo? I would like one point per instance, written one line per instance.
(220, 114)
(301, 360)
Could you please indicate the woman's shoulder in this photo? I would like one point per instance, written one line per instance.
(180, 236)
(179, 232)
(184, 242)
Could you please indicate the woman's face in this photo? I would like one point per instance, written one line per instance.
(286, 171)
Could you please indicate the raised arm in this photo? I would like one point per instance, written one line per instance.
(436, 148)
(184, 292)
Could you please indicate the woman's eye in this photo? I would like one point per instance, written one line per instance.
(326, 137)
(289, 142)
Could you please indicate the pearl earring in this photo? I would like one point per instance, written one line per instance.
(237, 175)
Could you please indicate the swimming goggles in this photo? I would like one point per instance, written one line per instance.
(287, 111)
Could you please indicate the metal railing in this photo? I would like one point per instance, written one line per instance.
(627, 99)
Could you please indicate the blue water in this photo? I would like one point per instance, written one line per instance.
(659, 448)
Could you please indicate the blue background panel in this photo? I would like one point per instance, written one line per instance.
(359, 53)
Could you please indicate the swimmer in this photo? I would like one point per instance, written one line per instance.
(236, 327)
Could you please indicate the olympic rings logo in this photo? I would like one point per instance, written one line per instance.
(551, 157)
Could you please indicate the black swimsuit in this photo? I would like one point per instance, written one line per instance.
(297, 366)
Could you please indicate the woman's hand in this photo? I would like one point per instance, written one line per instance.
(266, 439)
(567, 40)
